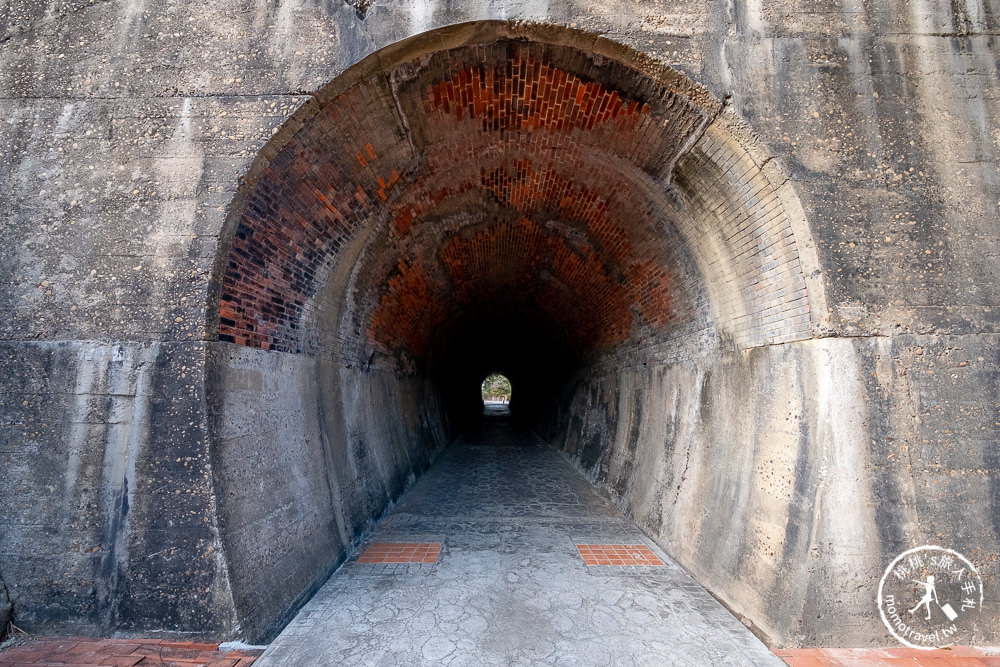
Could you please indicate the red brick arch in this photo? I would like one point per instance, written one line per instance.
(500, 167)
(487, 197)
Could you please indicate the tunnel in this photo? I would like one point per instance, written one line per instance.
(535, 201)
(739, 264)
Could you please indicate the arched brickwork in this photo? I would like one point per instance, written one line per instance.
(530, 175)
(487, 196)
(484, 197)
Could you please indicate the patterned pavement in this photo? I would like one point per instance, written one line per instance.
(511, 584)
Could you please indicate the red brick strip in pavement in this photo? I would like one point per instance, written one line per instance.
(401, 552)
(955, 656)
(618, 554)
(85, 652)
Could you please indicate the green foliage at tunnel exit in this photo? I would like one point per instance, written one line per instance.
(495, 387)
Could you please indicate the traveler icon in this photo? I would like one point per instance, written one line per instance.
(930, 593)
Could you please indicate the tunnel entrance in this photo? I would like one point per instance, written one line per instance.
(599, 212)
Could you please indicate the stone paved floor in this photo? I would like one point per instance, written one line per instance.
(509, 585)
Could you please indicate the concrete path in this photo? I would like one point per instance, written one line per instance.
(509, 585)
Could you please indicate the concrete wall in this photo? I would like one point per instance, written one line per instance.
(787, 477)
(128, 127)
(306, 459)
(108, 490)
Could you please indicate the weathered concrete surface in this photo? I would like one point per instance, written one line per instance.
(742, 464)
(304, 464)
(128, 126)
(509, 587)
(108, 487)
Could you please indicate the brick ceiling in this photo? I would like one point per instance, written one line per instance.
(499, 181)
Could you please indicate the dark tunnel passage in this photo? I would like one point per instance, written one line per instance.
(524, 352)
(538, 203)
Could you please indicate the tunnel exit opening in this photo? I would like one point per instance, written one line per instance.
(598, 211)
(496, 389)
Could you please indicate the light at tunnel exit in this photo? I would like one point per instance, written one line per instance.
(496, 389)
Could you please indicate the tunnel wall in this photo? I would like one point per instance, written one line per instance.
(740, 464)
(107, 485)
(128, 127)
(305, 463)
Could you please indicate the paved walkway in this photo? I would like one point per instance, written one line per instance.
(483, 562)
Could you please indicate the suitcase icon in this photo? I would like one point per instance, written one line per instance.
(949, 612)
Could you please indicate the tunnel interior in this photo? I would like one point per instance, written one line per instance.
(488, 198)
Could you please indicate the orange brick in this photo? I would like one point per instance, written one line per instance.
(401, 552)
(618, 555)
(807, 661)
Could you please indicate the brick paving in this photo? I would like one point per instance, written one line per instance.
(84, 652)
(955, 656)
(401, 552)
(618, 555)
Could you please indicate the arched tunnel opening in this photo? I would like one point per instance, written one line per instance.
(496, 388)
(522, 199)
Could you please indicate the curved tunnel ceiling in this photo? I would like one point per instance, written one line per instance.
(499, 181)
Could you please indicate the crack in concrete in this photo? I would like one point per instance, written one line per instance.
(404, 121)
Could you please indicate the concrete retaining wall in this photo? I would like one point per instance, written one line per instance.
(786, 478)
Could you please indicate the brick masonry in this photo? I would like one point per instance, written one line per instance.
(85, 652)
(518, 175)
(618, 555)
(400, 552)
